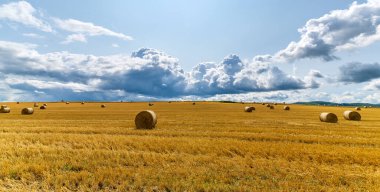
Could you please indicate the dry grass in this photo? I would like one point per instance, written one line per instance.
(202, 147)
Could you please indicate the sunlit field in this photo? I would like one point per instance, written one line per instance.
(208, 146)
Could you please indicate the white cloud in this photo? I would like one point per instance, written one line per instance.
(33, 35)
(75, 38)
(114, 45)
(355, 27)
(147, 72)
(24, 13)
(87, 28)
(373, 85)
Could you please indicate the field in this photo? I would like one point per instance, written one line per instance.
(209, 146)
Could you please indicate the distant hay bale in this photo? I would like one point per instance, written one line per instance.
(146, 120)
(35, 105)
(358, 108)
(263, 104)
(286, 108)
(67, 102)
(328, 117)
(275, 103)
(249, 109)
(103, 106)
(18, 102)
(193, 103)
(43, 107)
(27, 111)
(150, 104)
(271, 107)
(268, 105)
(352, 115)
(169, 102)
(44, 104)
(82, 103)
(5, 109)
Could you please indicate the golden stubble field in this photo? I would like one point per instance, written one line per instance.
(209, 146)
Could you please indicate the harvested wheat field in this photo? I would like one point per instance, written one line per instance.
(209, 146)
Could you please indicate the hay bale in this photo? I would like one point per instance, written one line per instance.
(275, 103)
(271, 107)
(18, 102)
(286, 108)
(67, 102)
(103, 106)
(3, 106)
(35, 105)
(43, 107)
(27, 111)
(44, 104)
(358, 109)
(5, 109)
(352, 115)
(193, 103)
(249, 109)
(146, 120)
(263, 104)
(268, 105)
(150, 104)
(82, 103)
(328, 117)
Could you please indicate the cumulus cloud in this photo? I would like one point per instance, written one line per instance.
(357, 26)
(87, 28)
(234, 76)
(146, 72)
(24, 13)
(373, 86)
(75, 38)
(358, 72)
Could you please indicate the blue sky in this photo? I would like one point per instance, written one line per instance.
(214, 50)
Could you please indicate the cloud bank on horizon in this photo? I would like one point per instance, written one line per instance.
(149, 74)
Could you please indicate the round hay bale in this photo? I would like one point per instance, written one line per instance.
(358, 109)
(146, 120)
(3, 106)
(193, 103)
(44, 104)
(27, 111)
(268, 105)
(82, 103)
(35, 105)
(263, 104)
(103, 106)
(286, 108)
(352, 115)
(67, 102)
(249, 109)
(150, 104)
(328, 117)
(271, 107)
(5, 109)
(43, 107)
(18, 102)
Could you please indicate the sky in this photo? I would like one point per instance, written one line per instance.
(272, 50)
